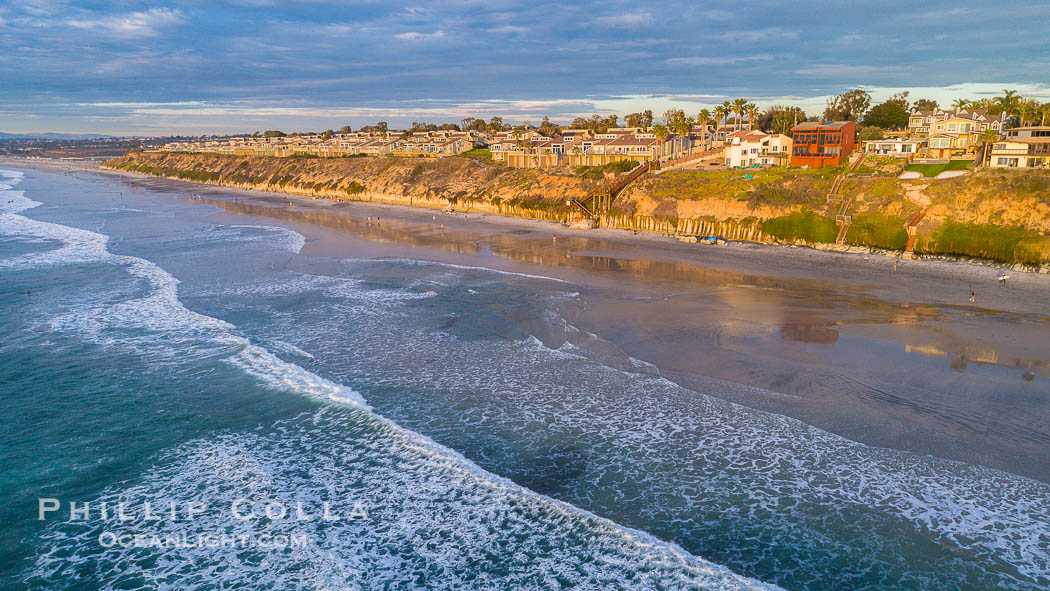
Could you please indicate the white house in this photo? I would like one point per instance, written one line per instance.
(747, 148)
(901, 148)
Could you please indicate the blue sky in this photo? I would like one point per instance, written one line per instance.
(156, 68)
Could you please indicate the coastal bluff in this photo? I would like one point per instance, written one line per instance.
(1001, 216)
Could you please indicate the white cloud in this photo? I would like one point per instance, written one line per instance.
(417, 36)
(850, 70)
(758, 35)
(134, 24)
(631, 19)
(508, 29)
(717, 15)
(709, 60)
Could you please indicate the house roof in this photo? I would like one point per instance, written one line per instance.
(1028, 140)
(806, 125)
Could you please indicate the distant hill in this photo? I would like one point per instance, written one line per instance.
(52, 136)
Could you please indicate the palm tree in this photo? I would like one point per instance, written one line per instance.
(721, 114)
(1044, 112)
(960, 104)
(738, 107)
(729, 109)
(1026, 109)
(987, 138)
(752, 113)
(703, 118)
(1008, 102)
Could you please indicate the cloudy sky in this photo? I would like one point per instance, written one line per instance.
(129, 67)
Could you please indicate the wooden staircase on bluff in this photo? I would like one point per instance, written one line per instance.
(599, 203)
(913, 233)
(842, 216)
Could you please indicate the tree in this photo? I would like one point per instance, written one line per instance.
(781, 119)
(848, 106)
(925, 105)
(647, 118)
(345, 130)
(661, 131)
(548, 129)
(751, 110)
(1006, 103)
(959, 104)
(672, 116)
(496, 124)
(721, 113)
(274, 133)
(988, 137)
(327, 135)
(871, 132)
(466, 122)
(1027, 109)
(899, 98)
(579, 123)
(887, 116)
(704, 118)
(739, 105)
(728, 106)
(634, 120)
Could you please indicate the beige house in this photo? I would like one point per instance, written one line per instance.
(1023, 147)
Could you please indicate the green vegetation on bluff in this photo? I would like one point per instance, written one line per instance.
(806, 225)
(987, 241)
(932, 170)
(992, 214)
(878, 231)
(773, 186)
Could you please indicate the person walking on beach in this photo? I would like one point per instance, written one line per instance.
(973, 296)
(894, 265)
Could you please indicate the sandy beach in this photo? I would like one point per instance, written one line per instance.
(898, 359)
(931, 281)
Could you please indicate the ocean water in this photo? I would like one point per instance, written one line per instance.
(151, 351)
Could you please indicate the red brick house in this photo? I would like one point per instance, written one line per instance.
(827, 143)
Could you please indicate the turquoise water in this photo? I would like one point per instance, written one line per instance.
(161, 355)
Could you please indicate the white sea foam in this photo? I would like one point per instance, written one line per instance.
(418, 486)
(435, 520)
(286, 238)
(156, 319)
(660, 455)
(420, 262)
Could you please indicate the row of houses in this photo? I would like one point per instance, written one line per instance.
(813, 144)
(580, 147)
(419, 144)
(954, 132)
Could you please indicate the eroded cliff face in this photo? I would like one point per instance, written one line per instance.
(729, 204)
(465, 184)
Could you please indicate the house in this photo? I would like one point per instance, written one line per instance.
(954, 132)
(1023, 147)
(746, 148)
(900, 148)
(826, 143)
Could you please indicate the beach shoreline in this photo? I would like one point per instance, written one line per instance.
(934, 280)
(795, 325)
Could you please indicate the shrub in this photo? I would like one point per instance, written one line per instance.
(878, 230)
(804, 225)
(988, 241)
